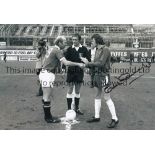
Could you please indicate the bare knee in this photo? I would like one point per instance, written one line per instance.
(46, 94)
(77, 88)
(99, 93)
(70, 90)
(107, 96)
(77, 91)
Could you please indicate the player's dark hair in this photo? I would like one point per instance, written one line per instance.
(42, 42)
(77, 35)
(99, 40)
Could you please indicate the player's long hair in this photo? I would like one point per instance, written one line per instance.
(99, 40)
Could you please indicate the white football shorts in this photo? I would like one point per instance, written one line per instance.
(46, 79)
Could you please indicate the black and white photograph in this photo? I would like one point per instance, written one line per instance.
(77, 76)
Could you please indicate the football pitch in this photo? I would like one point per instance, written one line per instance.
(21, 109)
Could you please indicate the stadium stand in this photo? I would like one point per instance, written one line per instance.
(111, 32)
(36, 30)
(28, 28)
(120, 37)
(44, 29)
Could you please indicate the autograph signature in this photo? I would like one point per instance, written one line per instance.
(124, 77)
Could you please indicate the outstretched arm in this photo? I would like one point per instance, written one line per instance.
(64, 61)
(69, 63)
(100, 63)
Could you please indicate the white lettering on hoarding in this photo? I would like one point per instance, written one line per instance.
(18, 52)
(2, 43)
(120, 54)
(142, 54)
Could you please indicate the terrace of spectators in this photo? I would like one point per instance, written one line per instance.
(24, 35)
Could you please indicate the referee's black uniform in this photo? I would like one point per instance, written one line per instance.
(75, 74)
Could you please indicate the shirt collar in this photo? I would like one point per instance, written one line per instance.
(78, 46)
(57, 47)
(94, 49)
(100, 47)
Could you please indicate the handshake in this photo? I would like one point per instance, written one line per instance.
(83, 65)
(84, 60)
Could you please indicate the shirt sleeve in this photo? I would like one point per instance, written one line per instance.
(101, 61)
(59, 55)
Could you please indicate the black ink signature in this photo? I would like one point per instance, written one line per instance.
(124, 77)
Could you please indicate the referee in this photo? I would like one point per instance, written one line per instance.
(75, 74)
